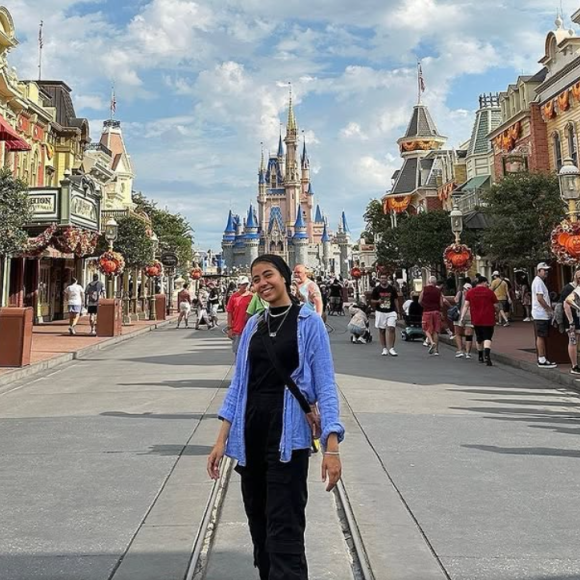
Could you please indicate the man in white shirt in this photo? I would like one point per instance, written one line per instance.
(542, 313)
(309, 292)
(75, 297)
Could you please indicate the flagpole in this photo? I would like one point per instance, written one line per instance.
(40, 47)
(418, 82)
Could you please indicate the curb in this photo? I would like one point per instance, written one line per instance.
(50, 363)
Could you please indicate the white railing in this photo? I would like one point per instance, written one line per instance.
(470, 201)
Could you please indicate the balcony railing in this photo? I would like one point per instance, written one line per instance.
(470, 201)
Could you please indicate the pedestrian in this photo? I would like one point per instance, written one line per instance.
(309, 292)
(463, 327)
(94, 291)
(542, 313)
(359, 323)
(501, 289)
(202, 308)
(480, 305)
(184, 302)
(432, 301)
(213, 301)
(236, 309)
(256, 306)
(336, 299)
(526, 298)
(385, 301)
(75, 297)
(570, 298)
(267, 427)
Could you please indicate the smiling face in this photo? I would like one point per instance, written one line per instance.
(270, 284)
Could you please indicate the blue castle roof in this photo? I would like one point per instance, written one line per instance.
(305, 160)
(280, 147)
(251, 225)
(276, 218)
(325, 236)
(318, 219)
(230, 227)
(345, 227)
(300, 226)
(310, 191)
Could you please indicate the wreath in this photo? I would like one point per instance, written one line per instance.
(154, 269)
(196, 273)
(458, 258)
(111, 263)
(565, 241)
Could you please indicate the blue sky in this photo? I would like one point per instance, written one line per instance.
(200, 84)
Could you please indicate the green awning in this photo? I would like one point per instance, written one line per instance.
(478, 182)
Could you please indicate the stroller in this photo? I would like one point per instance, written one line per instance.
(335, 306)
(413, 328)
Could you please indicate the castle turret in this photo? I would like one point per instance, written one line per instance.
(262, 190)
(228, 241)
(300, 240)
(292, 176)
(252, 237)
(343, 241)
(326, 250)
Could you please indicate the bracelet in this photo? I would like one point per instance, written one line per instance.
(331, 453)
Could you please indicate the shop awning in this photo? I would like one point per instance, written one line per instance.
(474, 183)
(12, 140)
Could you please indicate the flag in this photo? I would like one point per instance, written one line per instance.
(40, 39)
(421, 79)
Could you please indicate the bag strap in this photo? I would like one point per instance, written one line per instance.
(288, 381)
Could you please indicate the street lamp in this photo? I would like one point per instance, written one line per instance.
(152, 305)
(111, 233)
(569, 178)
(456, 222)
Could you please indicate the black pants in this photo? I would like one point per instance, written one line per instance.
(275, 493)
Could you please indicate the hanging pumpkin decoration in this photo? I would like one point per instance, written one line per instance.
(111, 263)
(565, 241)
(458, 258)
(356, 273)
(196, 273)
(154, 269)
(564, 101)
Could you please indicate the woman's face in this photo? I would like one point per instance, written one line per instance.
(269, 283)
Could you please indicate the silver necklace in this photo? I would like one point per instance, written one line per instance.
(274, 333)
(281, 313)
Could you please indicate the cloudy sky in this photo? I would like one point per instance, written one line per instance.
(200, 84)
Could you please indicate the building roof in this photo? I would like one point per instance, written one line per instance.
(407, 179)
(325, 237)
(276, 219)
(487, 119)
(318, 219)
(344, 223)
(60, 98)
(310, 191)
(299, 219)
(230, 226)
(280, 147)
(251, 221)
(304, 159)
(421, 124)
(540, 76)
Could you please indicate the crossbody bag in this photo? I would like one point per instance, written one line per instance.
(311, 411)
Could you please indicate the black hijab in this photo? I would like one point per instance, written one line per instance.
(279, 264)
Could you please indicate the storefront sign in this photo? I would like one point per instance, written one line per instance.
(84, 211)
(169, 259)
(44, 204)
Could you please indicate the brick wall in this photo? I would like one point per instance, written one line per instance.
(540, 158)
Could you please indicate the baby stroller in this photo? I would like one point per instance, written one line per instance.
(335, 306)
(413, 328)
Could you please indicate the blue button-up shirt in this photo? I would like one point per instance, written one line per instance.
(315, 378)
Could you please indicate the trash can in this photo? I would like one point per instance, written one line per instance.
(109, 317)
(160, 305)
(556, 346)
(15, 336)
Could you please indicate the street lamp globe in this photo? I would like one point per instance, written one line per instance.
(154, 242)
(111, 231)
(456, 220)
(569, 178)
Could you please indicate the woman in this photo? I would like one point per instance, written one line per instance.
(570, 303)
(526, 298)
(463, 328)
(184, 301)
(265, 428)
(359, 323)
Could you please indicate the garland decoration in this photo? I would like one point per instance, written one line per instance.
(154, 269)
(37, 245)
(576, 91)
(77, 241)
(458, 258)
(111, 263)
(549, 110)
(564, 101)
(506, 140)
(398, 204)
(565, 241)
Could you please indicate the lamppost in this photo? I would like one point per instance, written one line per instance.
(569, 178)
(456, 222)
(458, 257)
(111, 233)
(152, 312)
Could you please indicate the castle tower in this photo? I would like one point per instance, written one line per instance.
(343, 241)
(251, 236)
(228, 242)
(326, 250)
(292, 177)
(300, 240)
(262, 190)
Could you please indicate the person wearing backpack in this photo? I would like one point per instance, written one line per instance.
(283, 368)
(94, 291)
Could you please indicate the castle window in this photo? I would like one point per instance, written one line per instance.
(572, 143)
(557, 150)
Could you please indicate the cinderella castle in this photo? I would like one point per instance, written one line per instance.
(283, 222)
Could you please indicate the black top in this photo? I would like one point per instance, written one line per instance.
(387, 298)
(264, 379)
(336, 290)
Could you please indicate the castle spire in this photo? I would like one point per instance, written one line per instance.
(280, 146)
(318, 219)
(325, 237)
(305, 160)
(343, 223)
(291, 126)
(262, 171)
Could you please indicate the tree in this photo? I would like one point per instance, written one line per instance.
(133, 241)
(15, 212)
(173, 230)
(376, 219)
(522, 210)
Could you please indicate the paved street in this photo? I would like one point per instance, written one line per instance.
(450, 467)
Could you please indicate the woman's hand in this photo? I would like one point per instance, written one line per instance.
(214, 460)
(331, 470)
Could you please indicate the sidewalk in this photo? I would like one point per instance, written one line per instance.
(53, 345)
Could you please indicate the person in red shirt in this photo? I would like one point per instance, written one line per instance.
(481, 303)
(236, 309)
(432, 301)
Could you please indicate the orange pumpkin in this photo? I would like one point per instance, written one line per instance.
(459, 259)
(563, 238)
(572, 245)
(109, 266)
(196, 273)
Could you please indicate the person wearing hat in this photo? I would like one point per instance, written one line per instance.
(284, 368)
(570, 299)
(542, 313)
(236, 309)
(502, 291)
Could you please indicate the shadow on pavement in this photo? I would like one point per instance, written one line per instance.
(183, 384)
(175, 450)
(526, 450)
(196, 416)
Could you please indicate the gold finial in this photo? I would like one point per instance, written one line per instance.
(291, 118)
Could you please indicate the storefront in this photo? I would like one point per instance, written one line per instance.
(64, 230)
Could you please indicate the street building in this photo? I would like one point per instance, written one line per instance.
(285, 221)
